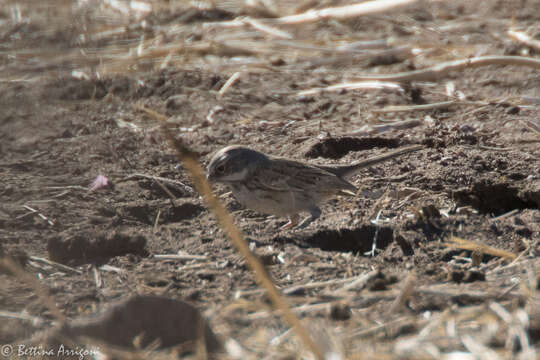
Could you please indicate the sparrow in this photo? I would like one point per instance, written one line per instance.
(284, 187)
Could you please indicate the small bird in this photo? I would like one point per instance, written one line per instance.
(284, 187)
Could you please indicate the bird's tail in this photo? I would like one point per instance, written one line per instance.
(346, 171)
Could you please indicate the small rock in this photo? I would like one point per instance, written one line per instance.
(513, 110)
(340, 311)
(378, 285)
(277, 61)
(474, 275)
(456, 276)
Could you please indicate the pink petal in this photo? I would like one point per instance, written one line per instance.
(100, 182)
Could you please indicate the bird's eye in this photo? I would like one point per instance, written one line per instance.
(220, 169)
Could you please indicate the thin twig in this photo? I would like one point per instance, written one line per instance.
(343, 12)
(473, 246)
(188, 189)
(316, 284)
(480, 351)
(98, 279)
(380, 128)
(185, 268)
(531, 125)
(256, 24)
(377, 228)
(505, 215)
(404, 108)
(441, 70)
(302, 309)
(68, 187)
(523, 38)
(34, 211)
(363, 333)
(358, 283)
(180, 257)
(407, 290)
(362, 85)
(156, 220)
(234, 77)
(61, 267)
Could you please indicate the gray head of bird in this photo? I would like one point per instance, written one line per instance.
(234, 163)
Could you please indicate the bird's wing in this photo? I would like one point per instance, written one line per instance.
(290, 175)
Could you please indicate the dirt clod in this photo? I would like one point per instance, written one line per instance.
(81, 248)
(143, 320)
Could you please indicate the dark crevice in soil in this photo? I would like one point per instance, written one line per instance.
(495, 199)
(335, 148)
(146, 212)
(357, 240)
(91, 247)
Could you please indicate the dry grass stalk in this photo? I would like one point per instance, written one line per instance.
(302, 309)
(404, 108)
(531, 125)
(230, 82)
(192, 165)
(516, 323)
(479, 350)
(363, 85)
(180, 257)
(363, 333)
(256, 24)
(344, 12)
(441, 70)
(34, 211)
(532, 100)
(185, 268)
(358, 283)
(98, 279)
(172, 197)
(349, 57)
(156, 220)
(61, 267)
(406, 292)
(377, 129)
(158, 179)
(523, 38)
(474, 246)
(447, 291)
(112, 269)
(317, 284)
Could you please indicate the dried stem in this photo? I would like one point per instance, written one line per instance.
(437, 72)
(192, 165)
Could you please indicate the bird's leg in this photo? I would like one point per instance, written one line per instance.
(293, 221)
(315, 214)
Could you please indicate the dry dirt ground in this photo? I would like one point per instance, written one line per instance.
(74, 81)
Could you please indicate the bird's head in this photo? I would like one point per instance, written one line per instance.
(234, 163)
